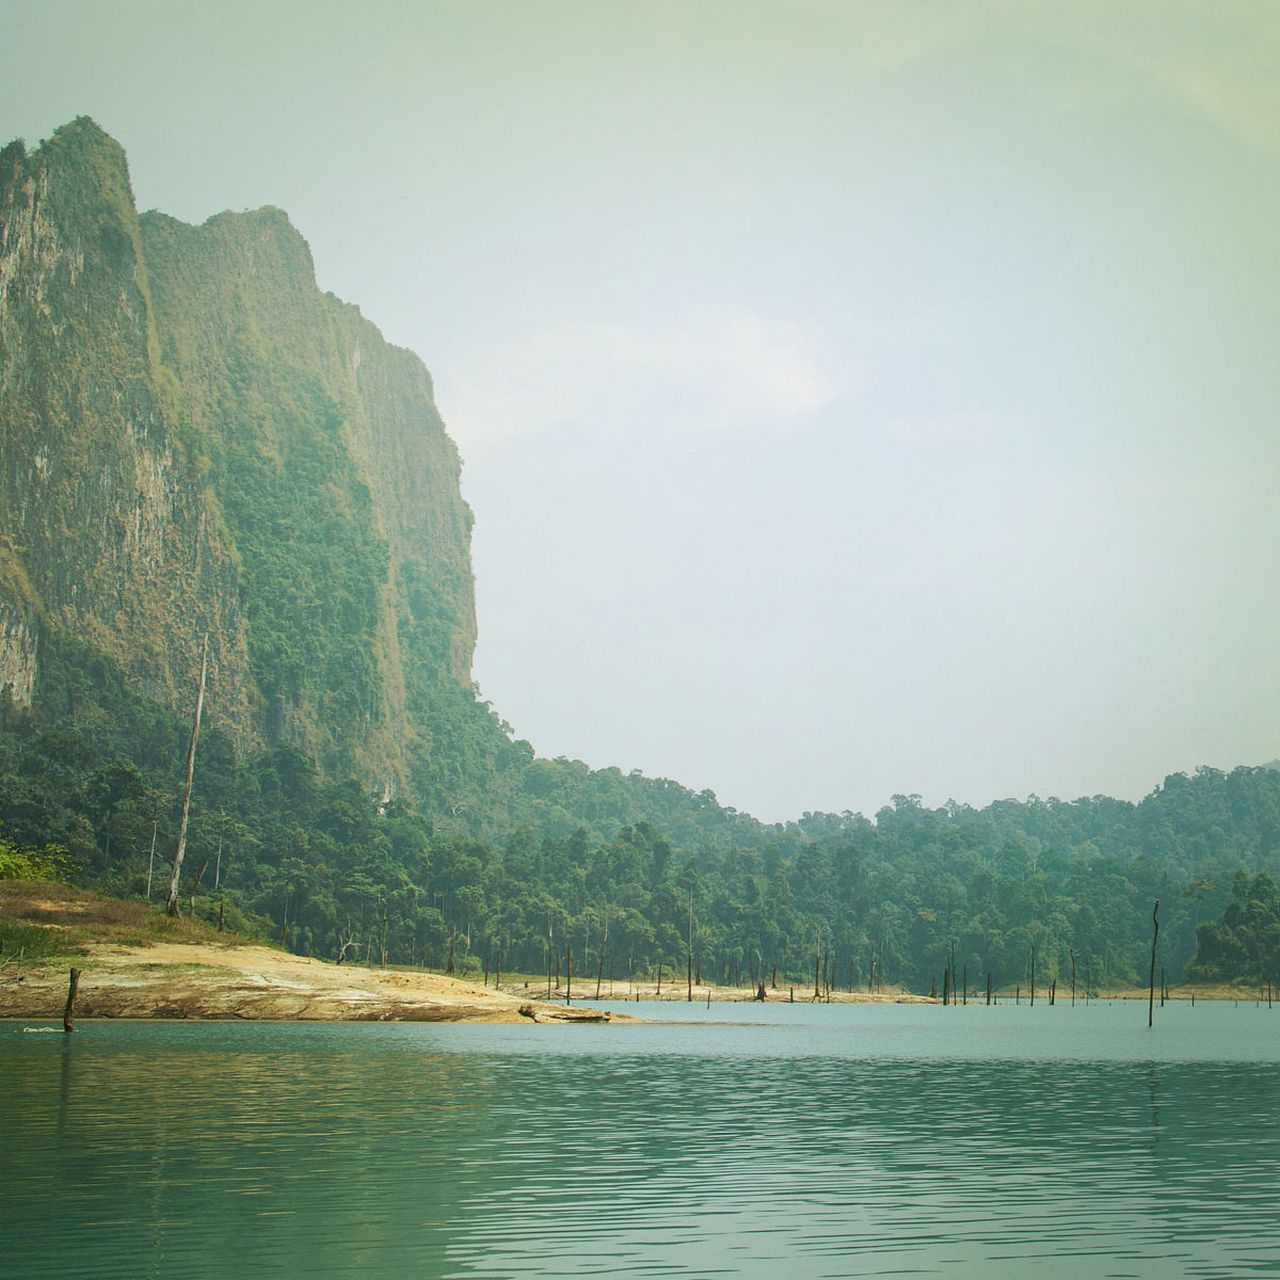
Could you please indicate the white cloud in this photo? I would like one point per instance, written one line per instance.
(714, 369)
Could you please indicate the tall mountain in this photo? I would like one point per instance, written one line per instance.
(195, 439)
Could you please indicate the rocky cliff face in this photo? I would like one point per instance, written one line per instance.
(194, 438)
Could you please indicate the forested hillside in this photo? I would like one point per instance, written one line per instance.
(196, 440)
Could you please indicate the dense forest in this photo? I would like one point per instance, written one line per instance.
(616, 865)
(198, 441)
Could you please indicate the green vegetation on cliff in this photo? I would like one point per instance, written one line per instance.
(196, 439)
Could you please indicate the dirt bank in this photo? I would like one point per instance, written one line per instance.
(135, 963)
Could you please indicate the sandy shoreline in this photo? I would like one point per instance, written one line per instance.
(199, 980)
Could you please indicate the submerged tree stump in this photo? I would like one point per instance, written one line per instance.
(69, 1010)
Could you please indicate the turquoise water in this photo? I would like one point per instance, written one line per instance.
(791, 1140)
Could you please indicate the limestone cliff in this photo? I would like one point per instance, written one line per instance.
(194, 438)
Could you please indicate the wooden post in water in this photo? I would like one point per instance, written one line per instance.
(1155, 937)
(946, 986)
(1033, 973)
(988, 986)
(965, 988)
(568, 980)
(1053, 993)
(1073, 979)
(69, 1010)
(171, 906)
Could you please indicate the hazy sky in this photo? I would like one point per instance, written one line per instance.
(855, 398)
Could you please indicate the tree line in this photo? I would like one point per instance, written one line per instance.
(636, 874)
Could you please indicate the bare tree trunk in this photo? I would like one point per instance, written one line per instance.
(1151, 991)
(151, 862)
(988, 986)
(191, 902)
(568, 982)
(689, 949)
(453, 933)
(1073, 978)
(172, 905)
(69, 1010)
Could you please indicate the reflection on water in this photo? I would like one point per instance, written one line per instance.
(826, 1142)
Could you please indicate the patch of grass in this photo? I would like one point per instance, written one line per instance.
(35, 942)
(69, 919)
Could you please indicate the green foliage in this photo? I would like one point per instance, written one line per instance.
(48, 863)
(1243, 944)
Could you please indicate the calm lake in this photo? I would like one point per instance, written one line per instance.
(793, 1140)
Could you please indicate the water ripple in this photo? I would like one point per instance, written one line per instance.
(867, 1150)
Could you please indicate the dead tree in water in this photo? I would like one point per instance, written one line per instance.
(1033, 973)
(988, 986)
(69, 1010)
(171, 907)
(1151, 990)
(568, 980)
(1073, 979)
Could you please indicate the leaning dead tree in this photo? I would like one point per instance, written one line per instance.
(172, 905)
